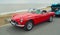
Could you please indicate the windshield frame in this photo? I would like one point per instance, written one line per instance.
(37, 11)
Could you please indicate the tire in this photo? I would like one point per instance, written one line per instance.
(28, 26)
(50, 19)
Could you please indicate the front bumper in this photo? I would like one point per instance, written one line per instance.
(15, 24)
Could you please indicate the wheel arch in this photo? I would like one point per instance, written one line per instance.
(31, 21)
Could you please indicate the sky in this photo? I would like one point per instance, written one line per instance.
(28, 1)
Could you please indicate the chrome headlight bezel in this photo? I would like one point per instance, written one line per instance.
(21, 20)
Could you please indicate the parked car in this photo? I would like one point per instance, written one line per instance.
(56, 8)
(31, 18)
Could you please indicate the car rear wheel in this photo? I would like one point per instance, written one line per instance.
(50, 19)
(28, 26)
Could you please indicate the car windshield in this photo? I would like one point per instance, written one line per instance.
(37, 11)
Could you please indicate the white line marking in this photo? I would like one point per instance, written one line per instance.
(13, 12)
(5, 25)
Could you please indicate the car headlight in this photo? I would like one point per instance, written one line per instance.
(21, 20)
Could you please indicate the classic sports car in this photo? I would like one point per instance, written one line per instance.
(31, 18)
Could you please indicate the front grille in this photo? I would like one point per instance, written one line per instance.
(14, 21)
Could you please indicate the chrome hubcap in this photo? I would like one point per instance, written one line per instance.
(29, 26)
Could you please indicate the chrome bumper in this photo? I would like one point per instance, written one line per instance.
(16, 24)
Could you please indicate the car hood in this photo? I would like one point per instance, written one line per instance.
(25, 15)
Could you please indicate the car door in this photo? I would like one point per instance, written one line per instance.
(46, 16)
(38, 18)
(41, 17)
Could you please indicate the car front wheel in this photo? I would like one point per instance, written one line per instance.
(28, 26)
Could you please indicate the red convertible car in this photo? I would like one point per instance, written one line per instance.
(31, 18)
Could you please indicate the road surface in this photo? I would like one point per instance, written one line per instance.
(46, 28)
